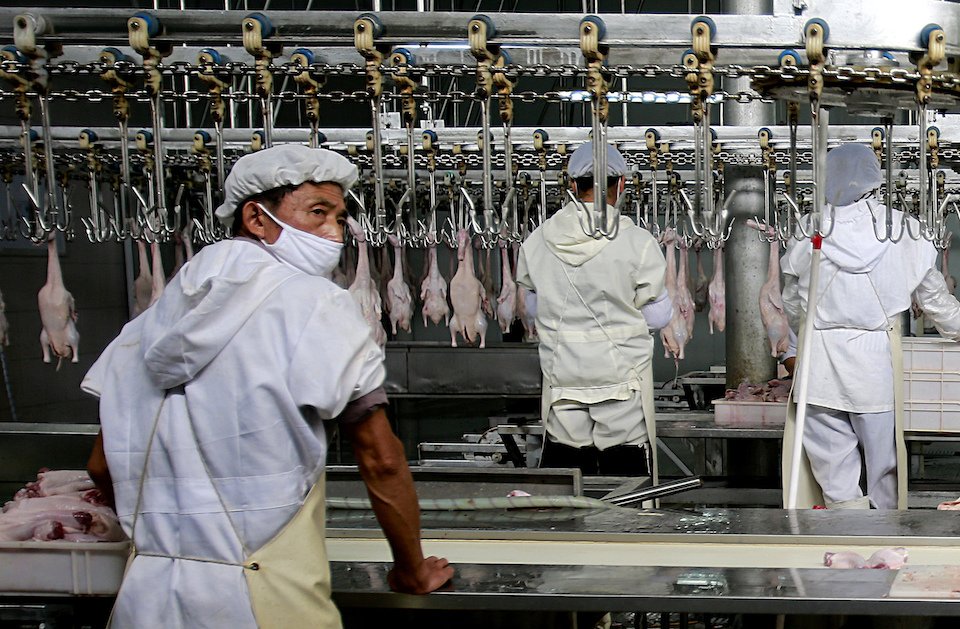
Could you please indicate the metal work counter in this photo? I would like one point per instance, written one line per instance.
(631, 588)
(721, 561)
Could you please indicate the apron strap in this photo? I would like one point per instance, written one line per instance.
(593, 315)
(143, 477)
(143, 472)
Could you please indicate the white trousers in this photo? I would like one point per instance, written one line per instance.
(832, 440)
(603, 425)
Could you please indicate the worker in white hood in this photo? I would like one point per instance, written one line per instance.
(213, 406)
(855, 388)
(596, 302)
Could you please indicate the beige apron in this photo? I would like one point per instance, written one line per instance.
(808, 491)
(288, 578)
(646, 390)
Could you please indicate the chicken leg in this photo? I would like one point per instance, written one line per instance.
(701, 287)
(143, 285)
(507, 301)
(158, 283)
(717, 293)
(684, 300)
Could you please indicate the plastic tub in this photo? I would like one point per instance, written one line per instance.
(67, 568)
(743, 413)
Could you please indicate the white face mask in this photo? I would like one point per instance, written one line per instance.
(304, 251)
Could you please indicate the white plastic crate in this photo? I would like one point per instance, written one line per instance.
(743, 413)
(75, 568)
(931, 386)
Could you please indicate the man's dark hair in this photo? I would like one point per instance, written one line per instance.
(270, 198)
(586, 183)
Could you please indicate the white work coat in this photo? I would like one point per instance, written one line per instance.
(864, 285)
(594, 342)
(235, 369)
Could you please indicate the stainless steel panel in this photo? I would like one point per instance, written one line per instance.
(441, 482)
(619, 588)
(715, 526)
(466, 371)
(395, 363)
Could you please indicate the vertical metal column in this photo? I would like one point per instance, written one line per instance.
(745, 255)
(745, 271)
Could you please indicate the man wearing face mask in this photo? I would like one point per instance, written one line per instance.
(213, 404)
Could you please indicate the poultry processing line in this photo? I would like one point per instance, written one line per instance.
(425, 183)
(206, 87)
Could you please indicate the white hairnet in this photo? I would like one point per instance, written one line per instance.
(581, 162)
(852, 171)
(283, 165)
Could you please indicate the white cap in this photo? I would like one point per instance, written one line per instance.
(581, 162)
(853, 170)
(282, 165)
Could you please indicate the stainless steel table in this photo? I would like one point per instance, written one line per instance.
(692, 579)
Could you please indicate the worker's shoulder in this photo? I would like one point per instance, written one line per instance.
(534, 240)
(304, 285)
(635, 235)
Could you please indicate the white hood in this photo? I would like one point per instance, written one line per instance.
(852, 245)
(218, 292)
(565, 237)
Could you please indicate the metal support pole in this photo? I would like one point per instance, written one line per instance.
(745, 271)
(746, 256)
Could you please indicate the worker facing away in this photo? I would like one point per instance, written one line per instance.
(213, 404)
(596, 302)
(855, 389)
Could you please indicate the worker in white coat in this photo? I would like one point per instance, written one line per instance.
(855, 389)
(596, 302)
(213, 406)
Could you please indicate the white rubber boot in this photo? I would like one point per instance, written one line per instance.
(862, 502)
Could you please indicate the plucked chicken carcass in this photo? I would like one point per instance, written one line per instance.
(527, 318)
(883, 559)
(701, 285)
(507, 301)
(717, 294)
(684, 299)
(59, 505)
(674, 335)
(58, 312)
(888, 558)
(844, 560)
(466, 295)
(433, 290)
(68, 517)
(364, 289)
(55, 483)
(399, 298)
(772, 314)
(143, 285)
